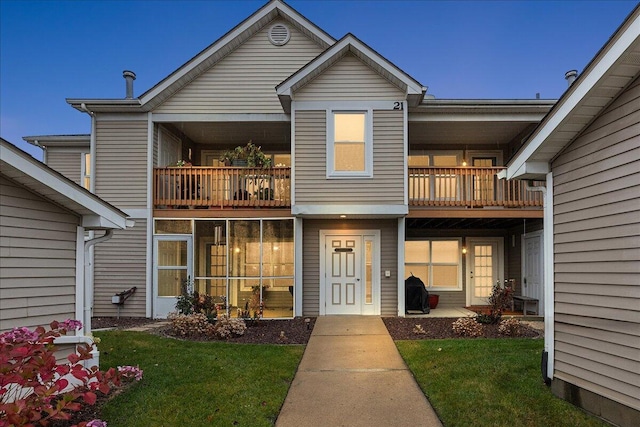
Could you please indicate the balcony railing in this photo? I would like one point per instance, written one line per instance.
(469, 187)
(200, 186)
(228, 187)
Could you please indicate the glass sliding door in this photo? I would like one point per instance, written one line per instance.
(172, 271)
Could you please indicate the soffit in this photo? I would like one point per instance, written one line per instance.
(235, 133)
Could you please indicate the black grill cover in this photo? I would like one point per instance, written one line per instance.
(416, 296)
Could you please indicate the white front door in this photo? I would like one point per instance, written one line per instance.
(533, 268)
(483, 268)
(343, 274)
(172, 269)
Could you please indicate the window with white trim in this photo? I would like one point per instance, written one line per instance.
(349, 144)
(437, 262)
(86, 170)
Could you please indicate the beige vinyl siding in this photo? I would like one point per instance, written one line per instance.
(387, 184)
(67, 161)
(311, 261)
(245, 81)
(349, 79)
(597, 254)
(121, 163)
(38, 251)
(120, 263)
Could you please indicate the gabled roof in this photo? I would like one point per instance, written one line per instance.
(36, 176)
(209, 57)
(350, 44)
(613, 68)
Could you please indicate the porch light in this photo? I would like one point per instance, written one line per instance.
(464, 163)
(343, 216)
(237, 250)
(464, 250)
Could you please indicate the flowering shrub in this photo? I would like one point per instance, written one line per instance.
(511, 327)
(35, 389)
(188, 325)
(226, 327)
(468, 327)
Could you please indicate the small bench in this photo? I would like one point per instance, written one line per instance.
(525, 302)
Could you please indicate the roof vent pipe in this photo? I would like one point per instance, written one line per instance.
(571, 76)
(129, 76)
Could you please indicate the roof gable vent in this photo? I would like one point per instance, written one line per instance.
(279, 34)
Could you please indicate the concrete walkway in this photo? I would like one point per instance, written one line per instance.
(351, 374)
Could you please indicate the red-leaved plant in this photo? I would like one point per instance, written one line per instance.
(35, 389)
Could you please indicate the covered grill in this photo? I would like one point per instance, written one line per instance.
(416, 295)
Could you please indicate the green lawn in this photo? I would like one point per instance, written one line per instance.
(197, 384)
(488, 382)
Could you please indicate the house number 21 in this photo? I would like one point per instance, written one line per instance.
(398, 105)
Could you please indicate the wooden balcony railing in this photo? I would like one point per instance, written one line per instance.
(470, 187)
(200, 186)
(226, 187)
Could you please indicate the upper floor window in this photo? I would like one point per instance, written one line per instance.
(349, 144)
(86, 171)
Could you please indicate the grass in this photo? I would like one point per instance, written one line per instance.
(488, 382)
(197, 383)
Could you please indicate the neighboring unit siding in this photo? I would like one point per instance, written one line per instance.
(245, 80)
(38, 250)
(67, 161)
(311, 183)
(121, 162)
(597, 254)
(349, 79)
(119, 264)
(388, 261)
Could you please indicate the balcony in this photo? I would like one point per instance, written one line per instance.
(239, 187)
(221, 187)
(468, 187)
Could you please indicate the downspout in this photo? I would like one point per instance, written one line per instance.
(88, 283)
(549, 297)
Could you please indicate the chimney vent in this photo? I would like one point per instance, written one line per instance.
(129, 76)
(571, 76)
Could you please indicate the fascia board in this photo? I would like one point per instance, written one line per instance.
(66, 189)
(227, 38)
(575, 95)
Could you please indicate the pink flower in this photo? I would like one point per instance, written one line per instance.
(97, 423)
(18, 335)
(71, 325)
(132, 372)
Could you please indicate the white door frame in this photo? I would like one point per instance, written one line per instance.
(523, 249)
(374, 237)
(158, 312)
(470, 241)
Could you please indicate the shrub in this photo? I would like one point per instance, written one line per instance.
(511, 327)
(468, 327)
(500, 299)
(189, 325)
(226, 327)
(35, 389)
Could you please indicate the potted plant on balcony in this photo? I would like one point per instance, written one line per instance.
(250, 155)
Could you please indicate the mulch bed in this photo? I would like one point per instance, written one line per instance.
(402, 328)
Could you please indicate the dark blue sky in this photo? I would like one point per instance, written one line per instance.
(52, 50)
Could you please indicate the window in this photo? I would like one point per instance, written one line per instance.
(86, 170)
(349, 146)
(436, 262)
